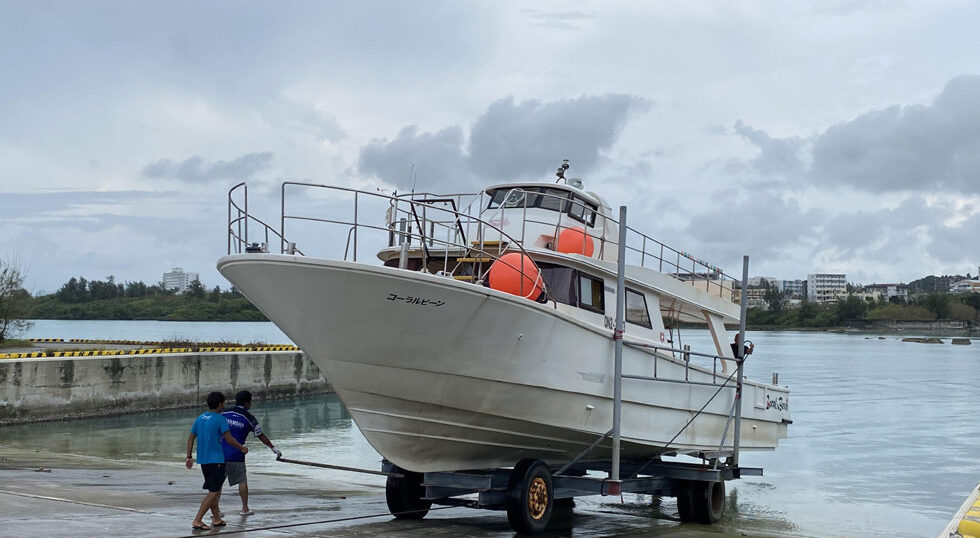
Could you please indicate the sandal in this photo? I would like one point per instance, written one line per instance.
(219, 523)
(201, 527)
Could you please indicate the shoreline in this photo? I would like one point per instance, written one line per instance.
(49, 389)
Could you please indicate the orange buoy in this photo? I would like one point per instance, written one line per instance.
(516, 274)
(575, 241)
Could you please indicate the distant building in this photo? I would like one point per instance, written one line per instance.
(965, 286)
(792, 288)
(761, 281)
(178, 280)
(826, 287)
(885, 291)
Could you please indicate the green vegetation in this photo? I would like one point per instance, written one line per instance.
(925, 307)
(10, 342)
(92, 299)
(14, 300)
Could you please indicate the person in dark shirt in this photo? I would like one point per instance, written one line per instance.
(211, 431)
(240, 422)
(747, 349)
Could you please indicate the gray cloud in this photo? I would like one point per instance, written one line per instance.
(529, 138)
(438, 158)
(304, 116)
(956, 243)
(764, 224)
(861, 233)
(777, 155)
(900, 148)
(25, 205)
(195, 169)
(507, 142)
(564, 20)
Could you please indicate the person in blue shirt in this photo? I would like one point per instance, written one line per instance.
(209, 429)
(240, 421)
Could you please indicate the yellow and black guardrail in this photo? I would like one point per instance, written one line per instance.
(143, 351)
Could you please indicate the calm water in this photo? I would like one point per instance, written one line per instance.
(223, 331)
(884, 440)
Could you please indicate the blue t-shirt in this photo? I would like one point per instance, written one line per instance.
(240, 422)
(209, 427)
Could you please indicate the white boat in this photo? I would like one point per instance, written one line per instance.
(482, 333)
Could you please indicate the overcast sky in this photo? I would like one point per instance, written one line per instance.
(837, 136)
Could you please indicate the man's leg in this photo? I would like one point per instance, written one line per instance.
(206, 504)
(215, 512)
(243, 493)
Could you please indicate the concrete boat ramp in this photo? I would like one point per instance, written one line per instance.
(48, 494)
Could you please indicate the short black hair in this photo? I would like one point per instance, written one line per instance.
(243, 396)
(215, 399)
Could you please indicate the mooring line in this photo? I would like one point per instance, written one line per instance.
(72, 501)
(321, 522)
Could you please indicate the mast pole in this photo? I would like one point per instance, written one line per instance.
(618, 338)
(740, 351)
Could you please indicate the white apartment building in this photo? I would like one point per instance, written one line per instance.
(178, 280)
(826, 287)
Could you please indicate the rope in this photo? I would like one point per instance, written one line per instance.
(320, 522)
(679, 432)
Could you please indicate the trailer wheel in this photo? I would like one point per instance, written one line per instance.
(530, 497)
(404, 495)
(685, 505)
(708, 501)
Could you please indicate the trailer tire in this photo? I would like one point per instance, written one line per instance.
(530, 497)
(708, 501)
(685, 506)
(404, 495)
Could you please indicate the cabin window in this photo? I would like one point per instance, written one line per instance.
(546, 198)
(554, 200)
(591, 293)
(582, 211)
(561, 282)
(636, 309)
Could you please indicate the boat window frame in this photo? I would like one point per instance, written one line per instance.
(561, 294)
(533, 197)
(646, 309)
(597, 283)
(589, 210)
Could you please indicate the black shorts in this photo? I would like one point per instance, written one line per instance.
(214, 476)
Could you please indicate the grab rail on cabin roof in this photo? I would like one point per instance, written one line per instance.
(660, 255)
(466, 219)
(440, 232)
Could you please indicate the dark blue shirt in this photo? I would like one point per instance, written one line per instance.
(209, 427)
(240, 422)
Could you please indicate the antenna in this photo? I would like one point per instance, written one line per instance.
(561, 171)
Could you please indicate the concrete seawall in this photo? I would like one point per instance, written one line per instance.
(40, 389)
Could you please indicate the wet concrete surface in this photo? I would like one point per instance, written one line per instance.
(89, 496)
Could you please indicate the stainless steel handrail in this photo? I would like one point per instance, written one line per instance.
(707, 270)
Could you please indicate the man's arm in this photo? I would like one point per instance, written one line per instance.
(189, 462)
(265, 440)
(233, 442)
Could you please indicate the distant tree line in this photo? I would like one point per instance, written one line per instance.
(80, 298)
(922, 307)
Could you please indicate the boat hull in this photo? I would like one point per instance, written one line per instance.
(441, 375)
